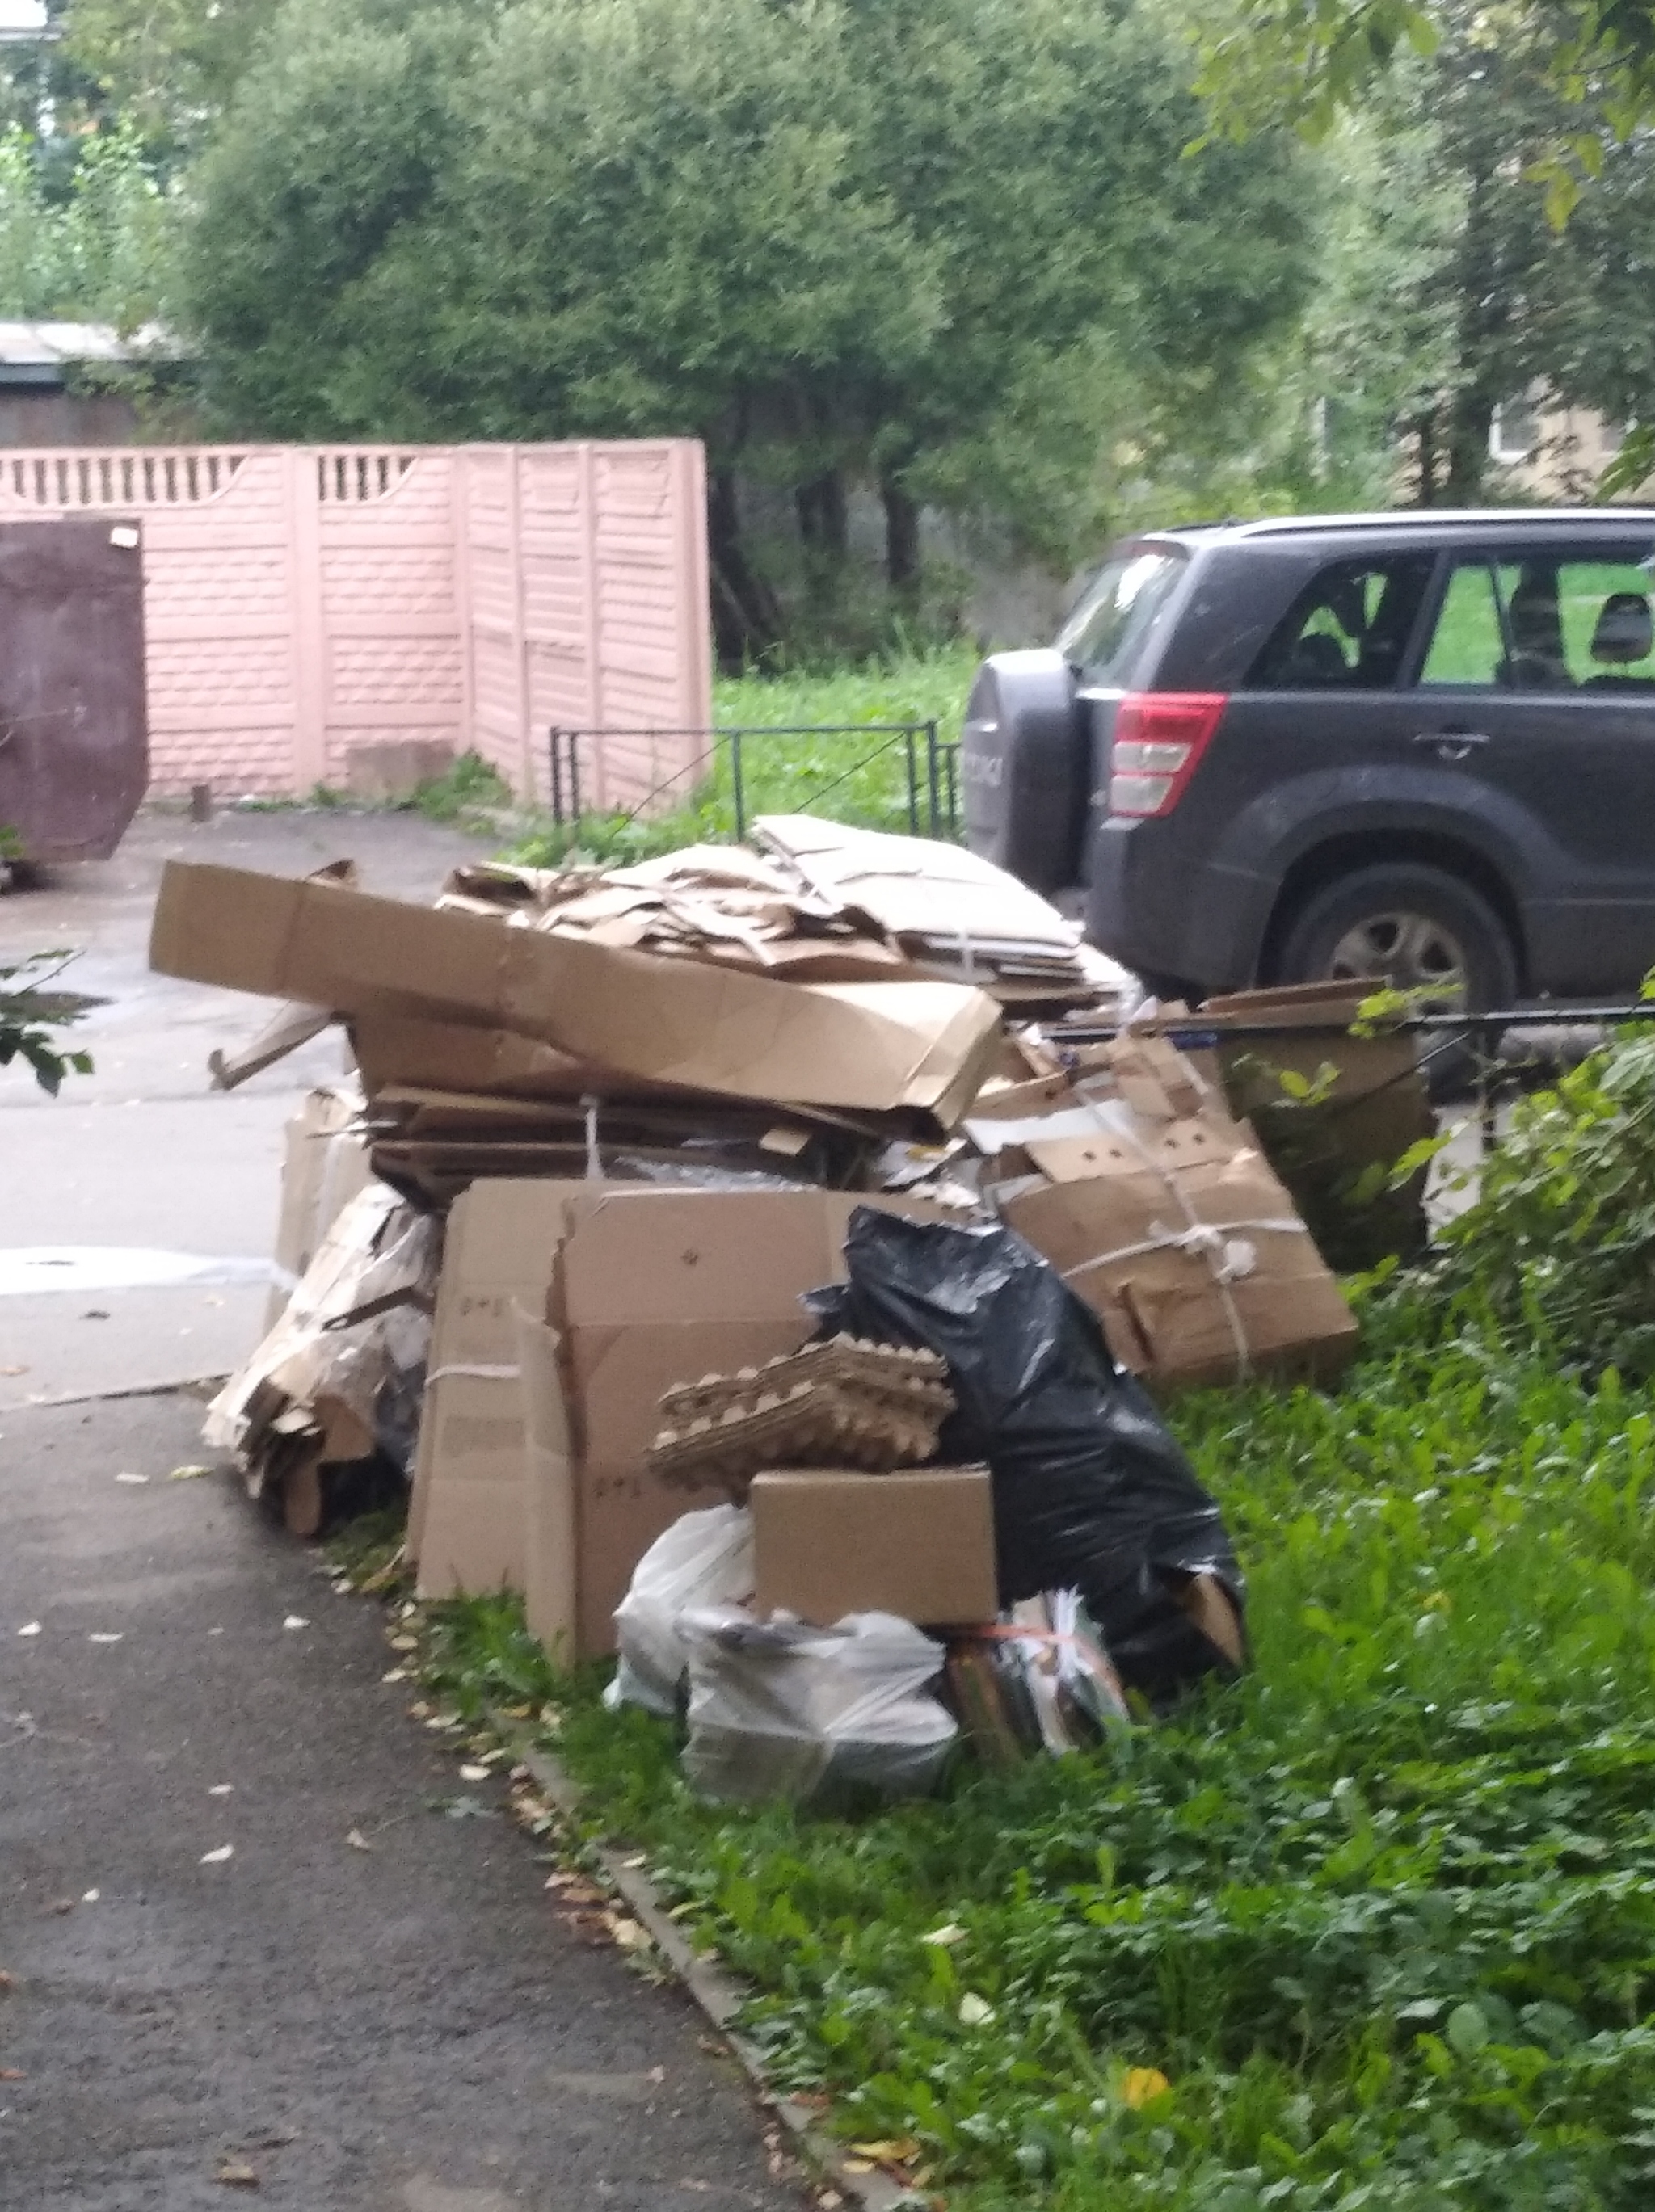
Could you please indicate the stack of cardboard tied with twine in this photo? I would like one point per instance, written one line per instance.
(1159, 1209)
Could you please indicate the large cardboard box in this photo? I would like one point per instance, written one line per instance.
(919, 1542)
(879, 1048)
(653, 1287)
(466, 1526)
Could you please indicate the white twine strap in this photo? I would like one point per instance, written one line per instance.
(594, 1166)
(1199, 1236)
(1216, 1241)
(476, 1374)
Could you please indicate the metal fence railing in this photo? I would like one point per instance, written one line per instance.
(930, 766)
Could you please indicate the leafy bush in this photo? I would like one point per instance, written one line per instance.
(31, 1014)
(1558, 1253)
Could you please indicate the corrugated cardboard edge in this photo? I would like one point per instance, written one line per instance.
(719, 1996)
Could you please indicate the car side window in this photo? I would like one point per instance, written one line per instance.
(1469, 644)
(1546, 622)
(1349, 629)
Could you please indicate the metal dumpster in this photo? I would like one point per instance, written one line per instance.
(74, 731)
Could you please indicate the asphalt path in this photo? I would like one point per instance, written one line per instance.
(410, 2027)
(142, 1156)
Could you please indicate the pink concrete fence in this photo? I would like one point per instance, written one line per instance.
(305, 603)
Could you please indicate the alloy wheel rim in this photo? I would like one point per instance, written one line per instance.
(1413, 951)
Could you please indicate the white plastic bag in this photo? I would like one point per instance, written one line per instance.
(778, 1709)
(704, 1558)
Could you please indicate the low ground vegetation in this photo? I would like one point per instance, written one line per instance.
(1373, 1928)
(857, 774)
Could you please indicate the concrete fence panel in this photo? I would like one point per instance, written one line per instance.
(307, 606)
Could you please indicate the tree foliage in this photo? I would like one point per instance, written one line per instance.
(949, 245)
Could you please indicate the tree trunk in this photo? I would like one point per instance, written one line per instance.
(824, 516)
(746, 614)
(902, 538)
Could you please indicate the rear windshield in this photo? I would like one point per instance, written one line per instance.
(1103, 634)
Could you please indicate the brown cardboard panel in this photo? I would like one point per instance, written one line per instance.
(474, 1537)
(873, 1047)
(918, 1542)
(450, 1055)
(551, 1577)
(502, 1235)
(323, 1168)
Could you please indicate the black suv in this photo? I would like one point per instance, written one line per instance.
(1419, 746)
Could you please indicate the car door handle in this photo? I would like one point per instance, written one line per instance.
(1452, 745)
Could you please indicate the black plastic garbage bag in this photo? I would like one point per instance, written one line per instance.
(1091, 1490)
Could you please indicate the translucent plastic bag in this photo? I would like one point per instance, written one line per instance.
(704, 1559)
(778, 1709)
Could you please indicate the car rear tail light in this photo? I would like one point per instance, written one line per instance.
(1160, 738)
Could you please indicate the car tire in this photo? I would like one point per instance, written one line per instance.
(1417, 925)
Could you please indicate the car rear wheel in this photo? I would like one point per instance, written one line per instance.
(1418, 928)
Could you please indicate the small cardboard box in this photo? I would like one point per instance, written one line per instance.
(919, 1542)
(878, 1047)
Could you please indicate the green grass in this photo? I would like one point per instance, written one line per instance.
(1384, 1914)
(852, 777)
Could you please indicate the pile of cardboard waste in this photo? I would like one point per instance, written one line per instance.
(608, 1127)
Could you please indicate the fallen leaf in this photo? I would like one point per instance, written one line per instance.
(419, 1712)
(296, 1620)
(896, 2151)
(473, 1773)
(218, 1857)
(1142, 2083)
(357, 1841)
(234, 2175)
(131, 1478)
(946, 1935)
(629, 1934)
(397, 1675)
(91, 1897)
(106, 1636)
(221, 1789)
(658, 2075)
(12, 2074)
(7, 1982)
(858, 2166)
(830, 2200)
(403, 1642)
(30, 1628)
(975, 2011)
(638, 1859)
(14, 1370)
(575, 1889)
(188, 1473)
